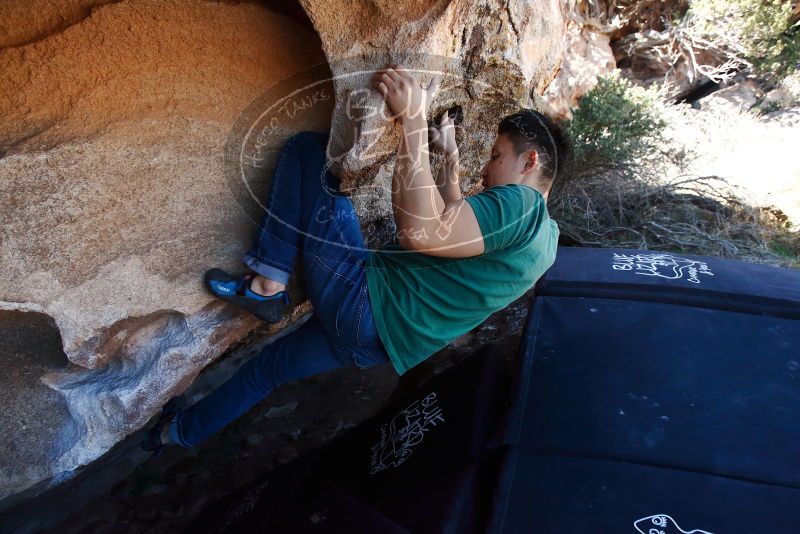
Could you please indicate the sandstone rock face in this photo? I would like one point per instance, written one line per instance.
(494, 56)
(588, 55)
(122, 127)
(114, 201)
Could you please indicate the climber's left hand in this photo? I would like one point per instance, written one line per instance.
(403, 93)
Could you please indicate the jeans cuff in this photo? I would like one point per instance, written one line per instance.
(264, 269)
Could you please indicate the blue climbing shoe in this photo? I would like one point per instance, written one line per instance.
(237, 291)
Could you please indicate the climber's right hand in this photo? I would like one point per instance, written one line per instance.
(404, 94)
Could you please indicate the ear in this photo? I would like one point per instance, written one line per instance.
(530, 161)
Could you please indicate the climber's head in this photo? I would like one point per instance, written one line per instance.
(529, 149)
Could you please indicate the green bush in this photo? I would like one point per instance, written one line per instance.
(615, 124)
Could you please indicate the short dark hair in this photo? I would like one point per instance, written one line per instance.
(528, 129)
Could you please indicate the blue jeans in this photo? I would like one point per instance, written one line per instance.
(305, 213)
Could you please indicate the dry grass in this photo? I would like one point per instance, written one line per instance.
(694, 215)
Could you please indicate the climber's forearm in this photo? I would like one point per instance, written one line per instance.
(416, 200)
(447, 182)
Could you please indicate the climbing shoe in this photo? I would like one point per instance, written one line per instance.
(237, 291)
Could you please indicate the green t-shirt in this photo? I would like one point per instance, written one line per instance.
(421, 302)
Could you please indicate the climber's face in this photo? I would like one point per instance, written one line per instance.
(504, 166)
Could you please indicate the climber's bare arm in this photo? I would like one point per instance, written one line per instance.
(425, 223)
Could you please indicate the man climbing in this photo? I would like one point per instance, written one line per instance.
(456, 261)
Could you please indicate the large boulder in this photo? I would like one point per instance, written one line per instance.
(123, 131)
(114, 202)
